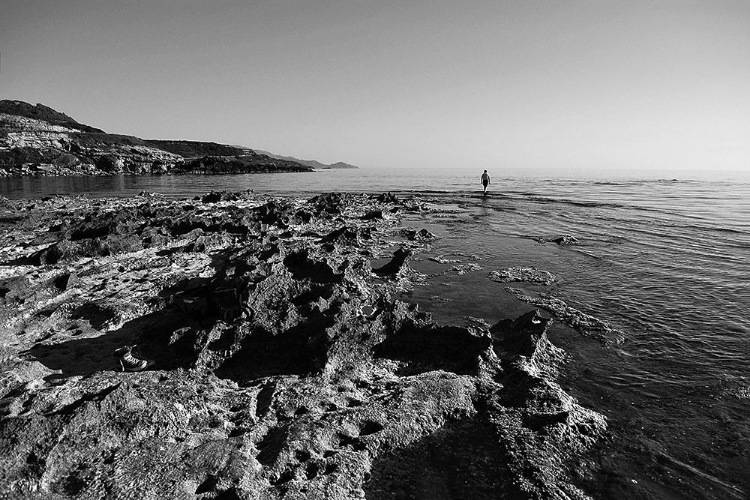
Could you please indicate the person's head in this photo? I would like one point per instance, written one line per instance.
(485, 171)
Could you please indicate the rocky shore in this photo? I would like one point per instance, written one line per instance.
(285, 366)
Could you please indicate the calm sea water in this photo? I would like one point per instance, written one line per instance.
(665, 259)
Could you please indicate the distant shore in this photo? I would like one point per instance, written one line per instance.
(70, 165)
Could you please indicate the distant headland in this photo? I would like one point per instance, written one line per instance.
(310, 163)
(37, 140)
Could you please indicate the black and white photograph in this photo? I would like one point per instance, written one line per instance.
(375, 249)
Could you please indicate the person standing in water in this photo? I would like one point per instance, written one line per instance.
(485, 181)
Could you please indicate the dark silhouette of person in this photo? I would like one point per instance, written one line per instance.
(485, 181)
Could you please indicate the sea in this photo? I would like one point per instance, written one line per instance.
(662, 258)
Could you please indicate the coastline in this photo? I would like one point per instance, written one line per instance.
(284, 362)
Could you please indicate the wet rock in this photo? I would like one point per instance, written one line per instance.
(211, 197)
(421, 235)
(347, 236)
(440, 259)
(560, 240)
(374, 214)
(330, 203)
(566, 240)
(527, 274)
(387, 198)
(395, 265)
(462, 269)
(586, 324)
(427, 348)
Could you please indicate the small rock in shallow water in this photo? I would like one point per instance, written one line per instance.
(527, 274)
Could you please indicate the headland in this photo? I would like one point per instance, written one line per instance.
(37, 140)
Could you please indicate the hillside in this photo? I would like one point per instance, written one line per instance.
(38, 140)
(194, 149)
(310, 163)
(42, 113)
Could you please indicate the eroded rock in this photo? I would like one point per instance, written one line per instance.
(527, 274)
(284, 366)
(586, 324)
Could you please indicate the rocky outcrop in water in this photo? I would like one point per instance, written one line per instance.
(526, 274)
(37, 140)
(586, 324)
(285, 365)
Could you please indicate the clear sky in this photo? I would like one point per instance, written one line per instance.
(435, 83)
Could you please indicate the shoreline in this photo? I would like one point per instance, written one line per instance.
(285, 365)
(43, 172)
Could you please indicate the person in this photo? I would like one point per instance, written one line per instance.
(485, 181)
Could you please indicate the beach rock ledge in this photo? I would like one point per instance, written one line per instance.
(284, 366)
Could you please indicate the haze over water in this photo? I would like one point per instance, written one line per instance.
(663, 260)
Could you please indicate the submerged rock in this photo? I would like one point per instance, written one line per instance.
(586, 324)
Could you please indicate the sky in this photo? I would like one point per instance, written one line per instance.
(605, 85)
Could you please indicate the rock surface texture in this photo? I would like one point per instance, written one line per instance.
(285, 366)
(37, 140)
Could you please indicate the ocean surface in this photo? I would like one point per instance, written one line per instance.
(662, 259)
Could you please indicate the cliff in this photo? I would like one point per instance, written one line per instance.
(37, 140)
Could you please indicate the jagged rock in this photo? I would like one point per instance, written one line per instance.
(429, 348)
(347, 236)
(283, 367)
(442, 260)
(462, 269)
(560, 240)
(588, 325)
(527, 274)
(216, 196)
(375, 214)
(394, 266)
(566, 240)
(421, 235)
(387, 198)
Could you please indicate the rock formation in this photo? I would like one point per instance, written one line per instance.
(285, 365)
